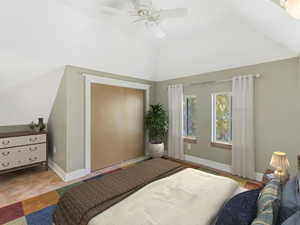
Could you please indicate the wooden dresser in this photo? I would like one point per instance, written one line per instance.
(20, 150)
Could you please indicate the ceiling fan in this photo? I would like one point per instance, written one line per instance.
(151, 16)
(292, 7)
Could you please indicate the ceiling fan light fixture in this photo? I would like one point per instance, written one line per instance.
(292, 7)
(157, 30)
(160, 35)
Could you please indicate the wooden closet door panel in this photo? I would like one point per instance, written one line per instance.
(134, 112)
(107, 125)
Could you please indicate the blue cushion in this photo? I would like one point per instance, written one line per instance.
(284, 214)
(293, 220)
(241, 209)
(290, 194)
(290, 200)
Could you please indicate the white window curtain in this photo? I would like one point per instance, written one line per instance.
(175, 134)
(243, 143)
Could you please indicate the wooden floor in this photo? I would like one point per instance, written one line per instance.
(24, 184)
(27, 183)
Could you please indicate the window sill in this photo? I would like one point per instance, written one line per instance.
(190, 140)
(221, 145)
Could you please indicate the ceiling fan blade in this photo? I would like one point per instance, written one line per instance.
(136, 4)
(141, 4)
(157, 31)
(113, 11)
(173, 13)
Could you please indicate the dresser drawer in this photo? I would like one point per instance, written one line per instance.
(7, 164)
(34, 157)
(22, 140)
(20, 156)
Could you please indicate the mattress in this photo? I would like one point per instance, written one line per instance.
(189, 197)
(82, 203)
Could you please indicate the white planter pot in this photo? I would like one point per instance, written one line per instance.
(156, 150)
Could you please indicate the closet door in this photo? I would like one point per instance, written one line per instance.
(117, 125)
(134, 113)
(107, 125)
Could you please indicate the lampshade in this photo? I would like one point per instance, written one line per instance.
(292, 7)
(280, 161)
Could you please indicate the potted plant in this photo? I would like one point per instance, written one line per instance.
(156, 122)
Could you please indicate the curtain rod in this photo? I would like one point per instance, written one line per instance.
(215, 81)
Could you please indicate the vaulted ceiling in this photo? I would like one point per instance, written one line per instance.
(225, 34)
(38, 38)
(218, 35)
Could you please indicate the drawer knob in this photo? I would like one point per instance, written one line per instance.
(33, 139)
(5, 164)
(33, 159)
(33, 149)
(5, 153)
(5, 142)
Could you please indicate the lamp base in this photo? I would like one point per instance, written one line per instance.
(284, 176)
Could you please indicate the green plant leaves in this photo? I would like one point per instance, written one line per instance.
(156, 121)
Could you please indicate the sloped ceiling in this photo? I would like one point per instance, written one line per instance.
(225, 34)
(38, 38)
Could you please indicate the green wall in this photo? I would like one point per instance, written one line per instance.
(276, 110)
(277, 107)
(57, 126)
(14, 128)
(67, 119)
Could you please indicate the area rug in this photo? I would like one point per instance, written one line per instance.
(39, 210)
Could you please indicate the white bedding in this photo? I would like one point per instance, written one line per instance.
(190, 197)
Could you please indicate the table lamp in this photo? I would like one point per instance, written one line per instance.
(281, 164)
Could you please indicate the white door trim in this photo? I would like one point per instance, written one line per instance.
(89, 79)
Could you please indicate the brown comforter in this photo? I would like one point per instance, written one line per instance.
(80, 204)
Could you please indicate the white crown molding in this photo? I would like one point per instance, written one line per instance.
(216, 165)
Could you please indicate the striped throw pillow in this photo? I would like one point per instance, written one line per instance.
(268, 204)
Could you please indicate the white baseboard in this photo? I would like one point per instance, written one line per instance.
(64, 175)
(215, 165)
(75, 174)
(56, 168)
(209, 163)
(132, 161)
(121, 164)
(83, 172)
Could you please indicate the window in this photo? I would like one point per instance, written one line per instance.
(221, 119)
(189, 108)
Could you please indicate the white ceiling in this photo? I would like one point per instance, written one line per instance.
(225, 34)
(218, 35)
(38, 38)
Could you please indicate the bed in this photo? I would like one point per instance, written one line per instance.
(155, 192)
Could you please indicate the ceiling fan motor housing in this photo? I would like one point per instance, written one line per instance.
(283, 2)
